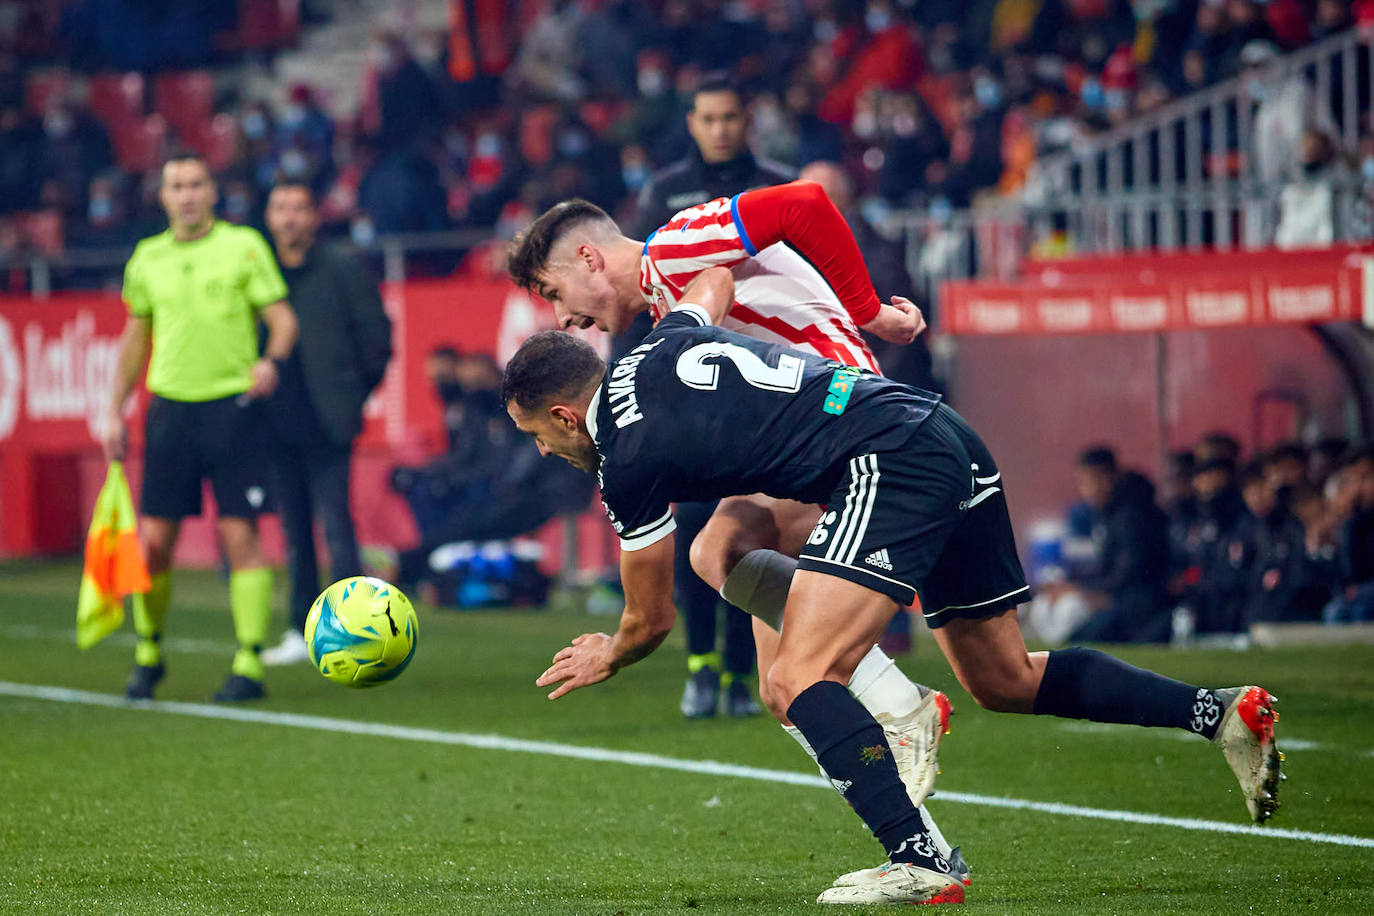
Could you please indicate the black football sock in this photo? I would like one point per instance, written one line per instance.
(850, 746)
(1086, 684)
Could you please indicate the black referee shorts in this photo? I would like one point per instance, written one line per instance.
(928, 519)
(187, 442)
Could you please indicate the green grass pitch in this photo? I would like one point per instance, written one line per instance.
(126, 810)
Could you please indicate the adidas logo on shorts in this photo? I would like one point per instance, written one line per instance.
(879, 558)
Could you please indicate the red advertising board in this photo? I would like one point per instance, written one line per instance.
(1164, 293)
(57, 364)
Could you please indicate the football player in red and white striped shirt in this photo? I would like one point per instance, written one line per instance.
(799, 280)
(576, 257)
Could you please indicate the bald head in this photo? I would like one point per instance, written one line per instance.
(832, 180)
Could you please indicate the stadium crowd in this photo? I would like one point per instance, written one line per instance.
(518, 105)
(1286, 535)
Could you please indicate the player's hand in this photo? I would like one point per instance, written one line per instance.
(900, 322)
(265, 379)
(114, 435)
(587, 661)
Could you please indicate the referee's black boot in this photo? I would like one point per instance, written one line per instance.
(238, 688)
(143, 680)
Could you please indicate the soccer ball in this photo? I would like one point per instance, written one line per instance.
(361, 632)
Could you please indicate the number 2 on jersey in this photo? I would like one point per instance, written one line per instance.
(696, 372)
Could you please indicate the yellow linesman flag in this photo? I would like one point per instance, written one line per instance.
(114, 562)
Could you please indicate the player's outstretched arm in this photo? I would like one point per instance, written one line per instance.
(647, 575)
(713, 290)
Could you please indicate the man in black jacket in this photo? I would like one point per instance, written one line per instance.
(719, 165)
(1133, 569)
(317, 411)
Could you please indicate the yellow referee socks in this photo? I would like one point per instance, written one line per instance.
(250, 601)
(150, 613)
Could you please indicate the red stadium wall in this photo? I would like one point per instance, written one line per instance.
(57, 359)
(1057, 362)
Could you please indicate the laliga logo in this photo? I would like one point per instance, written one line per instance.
(10, 375)
(63, 378)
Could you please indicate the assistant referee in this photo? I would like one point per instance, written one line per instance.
(195, 295)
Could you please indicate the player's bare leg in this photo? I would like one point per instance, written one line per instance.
(829, 625)
(878, 685)
(989, 658)
(771, 533)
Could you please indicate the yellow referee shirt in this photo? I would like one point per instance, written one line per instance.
(203, 298)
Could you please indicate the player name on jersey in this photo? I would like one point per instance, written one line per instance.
(620, 390)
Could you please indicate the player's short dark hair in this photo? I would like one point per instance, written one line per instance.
(1253, 472)
(549, 365)
(1287, 451)
(294, 184)
(444, 351)
(1100, 457)
(1218, 444)
(717, 82)
(1182, 464)
(183, 154)
(528, 252)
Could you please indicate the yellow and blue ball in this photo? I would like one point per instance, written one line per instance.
(361, 632)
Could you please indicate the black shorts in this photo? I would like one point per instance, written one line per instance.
(928, 519)
(187, 442)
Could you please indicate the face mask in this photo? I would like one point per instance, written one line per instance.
(987, 92)
(652, 82)
(254, 125)
(363, 232)
(877, 19)
(1114, 99)
(1255, 88)
(236, 206)
(634, 176)
(940, 211)
(1091, 94)
(1367, 168)
(487, 145)
(294, 163)
(573, 142)
(293, 115)
(58, 124)
(100, 209)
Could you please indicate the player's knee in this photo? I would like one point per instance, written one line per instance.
(157, 548)
(786, 681)
(1001, 692)
(769, 698)
(713, 557)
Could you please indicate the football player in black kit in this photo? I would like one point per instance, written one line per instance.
(914, 507)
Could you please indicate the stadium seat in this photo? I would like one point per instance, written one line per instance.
(139, 145)
(42, 86)
(216, 140)
(268, 23)
(117, 100)
(186, 100)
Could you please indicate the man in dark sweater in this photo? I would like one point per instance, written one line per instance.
(1133, 569)
(317, 411)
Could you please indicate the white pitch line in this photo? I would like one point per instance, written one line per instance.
(635, 758)
(173, 644)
